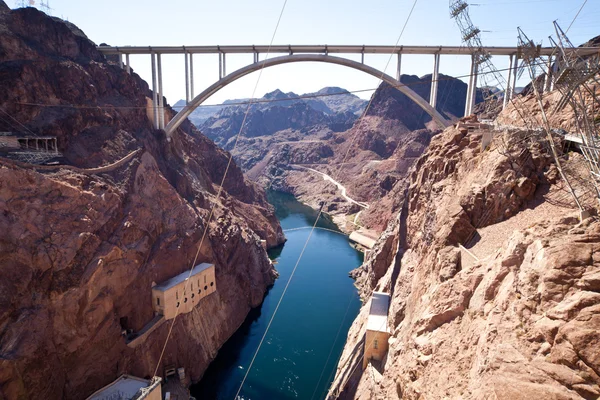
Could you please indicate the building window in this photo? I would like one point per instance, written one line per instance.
(375, 344)
(204, 278)
(193, 295)
(176, 295)
(199, 290)
(192, 287)
(212, 284)
(158, 301)
(205, 287)
(177, 305)
(185, 300)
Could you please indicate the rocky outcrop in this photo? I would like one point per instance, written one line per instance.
(514, 316)
(79, 251)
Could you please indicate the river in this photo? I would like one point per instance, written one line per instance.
(300, 352)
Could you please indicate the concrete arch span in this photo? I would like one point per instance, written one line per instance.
(199, 99)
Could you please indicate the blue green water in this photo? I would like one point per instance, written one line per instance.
(300, 352)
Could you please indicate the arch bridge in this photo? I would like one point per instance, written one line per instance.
(316, 53)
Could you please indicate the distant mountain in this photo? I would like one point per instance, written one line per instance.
(204, 112)
(329, 100)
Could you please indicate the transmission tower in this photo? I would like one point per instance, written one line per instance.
(485, 70)
(530, 53)
(577, 81)
(45, 6)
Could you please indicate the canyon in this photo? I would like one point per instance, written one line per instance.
(288, 143)
(491, 268)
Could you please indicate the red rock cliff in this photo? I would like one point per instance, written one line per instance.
(79, 251)
(517, 316)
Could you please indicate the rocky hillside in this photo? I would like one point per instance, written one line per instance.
(511, 315)
(371, 159)
(81, 246)
(281, 117)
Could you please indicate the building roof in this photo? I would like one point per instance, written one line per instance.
(174, 281)
(378, 313)
(125, 387)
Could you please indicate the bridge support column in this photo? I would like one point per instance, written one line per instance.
(468, 102)
(507, 90)
(161, 106)
(187, 77)
(472, 89)
(399, 67)
(191, 75)
(255, 57)
(548, 82)
(434, 80)
(514, 78)
(121, 60)
(154, 96)
(224, 73)
(127, 64)
(220, 65)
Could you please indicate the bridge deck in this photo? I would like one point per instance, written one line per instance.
(343, 49)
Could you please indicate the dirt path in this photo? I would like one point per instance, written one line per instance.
(339, 185)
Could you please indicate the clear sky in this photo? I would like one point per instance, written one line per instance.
(204, 22)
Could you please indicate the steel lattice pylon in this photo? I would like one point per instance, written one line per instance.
(531, 59)
(577, 80)
(485, 69)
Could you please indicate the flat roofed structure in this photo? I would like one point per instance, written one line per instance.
(173, 294)
(9, 141)
(128, 387)
(378, 333)
(363, 240)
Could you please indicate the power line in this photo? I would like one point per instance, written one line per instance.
(262, 101)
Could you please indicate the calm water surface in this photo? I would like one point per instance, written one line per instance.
(320, 301)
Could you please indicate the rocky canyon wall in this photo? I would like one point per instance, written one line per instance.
(79, 252)
(514, 314)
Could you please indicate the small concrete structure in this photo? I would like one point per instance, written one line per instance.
(173, 293)
(128, 387)
(362, 239)
(473, 126)
(378, 333)
(12, 141)
(9, 141)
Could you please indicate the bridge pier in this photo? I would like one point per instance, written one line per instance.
(399, 67)
(222, 70)
(161, 99)
(191, 75)
(127, 64)
(472, 82)
(121, 60)
(434, 80)
(187, 77)
(154, 96)
(507, 90)
(255, 57)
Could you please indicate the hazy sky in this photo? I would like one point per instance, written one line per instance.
(202, 22)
